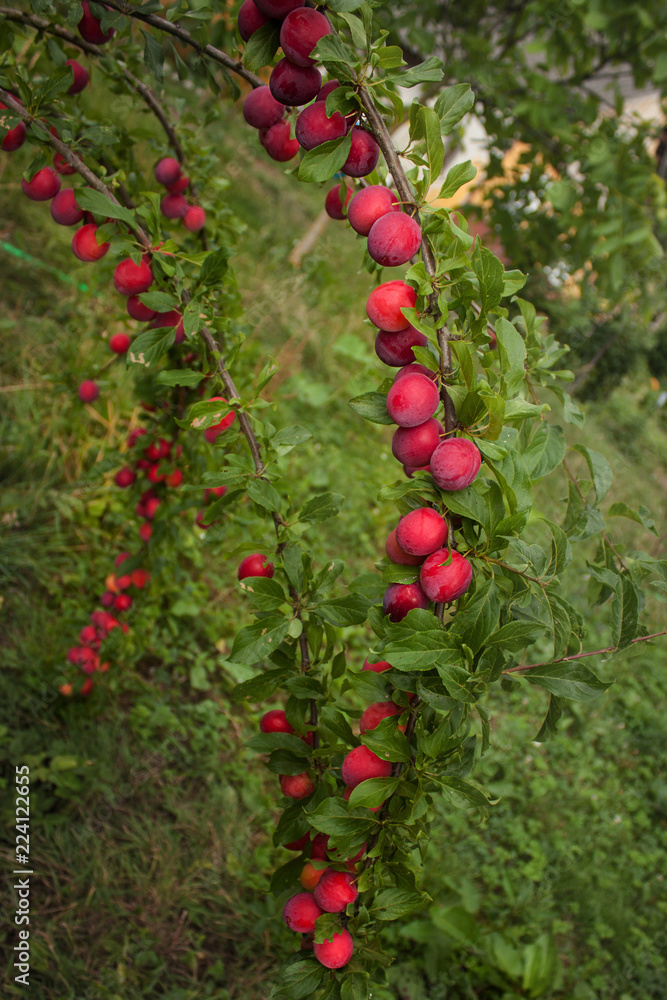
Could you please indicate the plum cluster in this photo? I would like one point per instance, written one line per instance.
(419, 443)
(295, 82)
(174, 204)
(87, 656)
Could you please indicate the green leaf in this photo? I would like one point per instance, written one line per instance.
(290, 437)
(468, 503)
(459, 175)
(179, 376)
(301, 978)
(372, 406)
(358, 33)
(260, 687)
(149, 347)
(56, 84)
(334, 720)
(479, 618)
(568, 680)
(98, 203)
(546, 450)
(452, 105)
(321, 507)
(333, 50)
(355, 986)
(321, 163)
(153, 56)
(394, 903)
(466, 790)
(423, 651)
(387, 741)
(286, 876)
(600, 470)
(561, 550)
(338, 6)
(429, 71)
(258, 640)
(159, 301)
(513, 281)
(268, 742)
(326, 926)
(515, 636)
(489, 271)
(214, 266)
(428, 131)
(642, 516)
(373, 792)
(624, 613)
(549, 727)
(332, 816)
(264, 494)
(541, 965)
(343, 611)
(261, 47)
(389, 56)
(459, 924)
(203, 414)
(512, 354)
(267, 594)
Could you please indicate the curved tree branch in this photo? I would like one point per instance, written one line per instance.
(385, 142)
(69, 156)
(581, 656)
(217, 55)
(40, 24)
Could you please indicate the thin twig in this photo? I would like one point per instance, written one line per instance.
(70, 157)
(217, 55)
(40, 24)
(278, 522)
(385, 142)
(580, 656)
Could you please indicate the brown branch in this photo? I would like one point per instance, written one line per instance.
(217, 55)
(69, 156)
(278, 522)
(581, 656)
(513, 569)
(40, 24)
(244, 421)
(385, 142)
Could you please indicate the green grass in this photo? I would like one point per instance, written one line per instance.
(151, 825)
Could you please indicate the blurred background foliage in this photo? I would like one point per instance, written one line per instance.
(151, 825)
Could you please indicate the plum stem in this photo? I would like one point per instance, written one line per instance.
(581, 656)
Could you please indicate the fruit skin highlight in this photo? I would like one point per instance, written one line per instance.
(300, 913)
(297, 786)
(412, 400)
(275, 721)
(455, 464)
(361, 764)
(369, 205)
(385, 302)
(445, 583)
(401, 598)
(300, 32)
(335, 952)
(394, 239)
(255, 565)
(422, 531)
(44, 186)
(335, 890)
